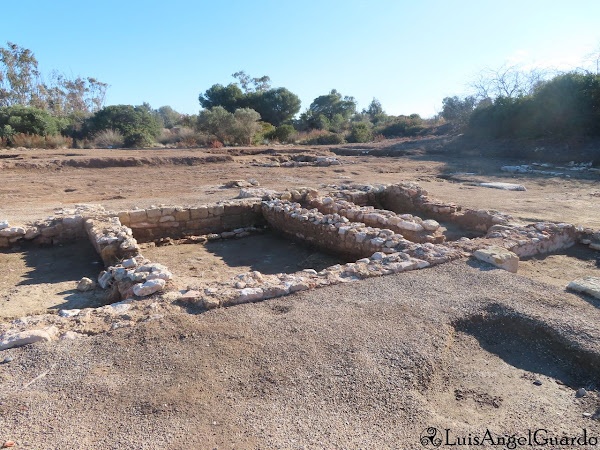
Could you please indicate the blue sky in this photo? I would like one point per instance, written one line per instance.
(409, 55)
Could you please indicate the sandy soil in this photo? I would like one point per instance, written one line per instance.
(562, 268)
(223, 259)
(35, 280)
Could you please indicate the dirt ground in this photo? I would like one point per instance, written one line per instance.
(35, 280)
(559, 269)
(223, 259)
(369, 364)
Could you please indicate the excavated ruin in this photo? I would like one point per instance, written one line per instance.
(382, 229)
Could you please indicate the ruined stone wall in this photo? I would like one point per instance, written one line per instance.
(113, 241)
(407, 198)
(335, 233)
(176, 222)
(66, 226)
(411, 227)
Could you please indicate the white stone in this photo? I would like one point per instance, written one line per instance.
(499, 257)
(162, 275)
(504, 186)
(119, 307)
(430, 225)
(410, 226)
(587, 285)
(249, 295)
(4, 224)
(377, 241)
(149, 287)
(69, 312)
(104, 279)
(378, 256)
(129, 263)
(12, 232)
(85, 284)
(27, 337)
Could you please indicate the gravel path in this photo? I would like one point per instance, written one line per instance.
(361, 365)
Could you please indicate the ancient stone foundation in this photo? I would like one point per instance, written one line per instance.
(383, 228)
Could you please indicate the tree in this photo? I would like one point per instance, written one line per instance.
(169, 116)
(374, 109)
(245, 125)
(284, 133)
(275, 106)
(249, 84)
(333, 103)
(137, 124)
(26, 119)
(458, 110)
(507, 81)
(216, 121)
(228, 97)
(360, 132)
(21, 84)
(19, 76)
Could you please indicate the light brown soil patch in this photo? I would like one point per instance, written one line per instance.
(559, 269)
(223, 259)
(39, 280)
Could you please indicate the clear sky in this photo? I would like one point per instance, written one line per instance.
(408, 54)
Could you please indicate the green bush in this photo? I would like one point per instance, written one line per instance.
(139, 127)
(403, 126)
(567, 105)
(265, 133)
(326, 139)
(29, 120)
(360, 132)
(139, 139)
(284, 133)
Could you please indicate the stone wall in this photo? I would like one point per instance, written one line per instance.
(411, 227)
(113, 241)
(337, 234)
(407, 197)
(176, 222)
(66, 226)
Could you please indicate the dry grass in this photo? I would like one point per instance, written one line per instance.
(108, 139)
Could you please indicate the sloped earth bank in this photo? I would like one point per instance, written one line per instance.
(369, 364)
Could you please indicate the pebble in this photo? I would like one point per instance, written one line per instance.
(7, 360)
(538, 382)
(581, 392)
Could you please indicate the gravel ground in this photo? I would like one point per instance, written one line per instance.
(361, 365)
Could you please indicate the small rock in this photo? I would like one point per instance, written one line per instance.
(7, 360)
(70, 336)
(538, 382)
(586, 414)
(28, 337)
(581, 392)
(149, 287)
(499, 257)
(586, 285)
(85, 284)
(68, 312)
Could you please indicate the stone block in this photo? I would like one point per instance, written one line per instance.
(183, 215)
(199, 213)
(499, 257)
(586, 285)
(138, 216)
